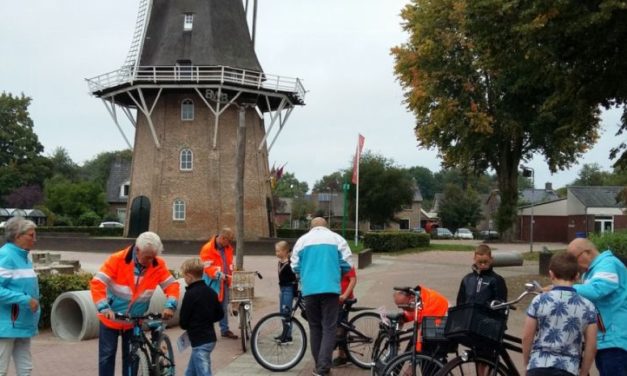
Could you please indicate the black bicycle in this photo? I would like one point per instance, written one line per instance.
(389, 341)
(481, 329)
(279, 341)
(151, 355)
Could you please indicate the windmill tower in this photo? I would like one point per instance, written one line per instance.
(190, 80)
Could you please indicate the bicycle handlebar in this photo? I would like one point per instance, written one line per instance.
(532, 287)
(148, 316)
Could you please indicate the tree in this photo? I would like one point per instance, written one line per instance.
(479, 100)
(459, 208)
(289, 186)
(72, 199)
(590, 175)
(425, 180)
(331, 183)
(383, 189)
(24, 197)
(63, 165)
(98, 168)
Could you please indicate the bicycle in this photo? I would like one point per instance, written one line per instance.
(389, 340)
(279, 341)
(242, 289)
(151, 356)
(434, 346)
(481, 329)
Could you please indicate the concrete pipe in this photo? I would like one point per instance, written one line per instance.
(158, 301)
(507, 258)
(73, 316)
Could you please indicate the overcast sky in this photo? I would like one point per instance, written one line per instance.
(340, 49)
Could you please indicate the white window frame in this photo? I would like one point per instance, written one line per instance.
(188, 21)
(187, 110)
(123, 189)
(186, 160)
(178, 210)
(602, 220)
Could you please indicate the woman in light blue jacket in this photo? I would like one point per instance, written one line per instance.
(19, 297)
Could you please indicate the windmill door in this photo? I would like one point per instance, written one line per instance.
(140, 216)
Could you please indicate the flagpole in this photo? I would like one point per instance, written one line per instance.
(358, 157)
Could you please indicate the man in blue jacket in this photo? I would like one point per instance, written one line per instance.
(605, 284)
(319, 258)
(19, 296)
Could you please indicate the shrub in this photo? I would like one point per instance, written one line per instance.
(89, 218)
(616, 241)
(92, 231)
(51, 286)
(395, 241)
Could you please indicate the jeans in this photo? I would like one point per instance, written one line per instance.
(322, 311)
(108, 346)
(286, 298)
(200, 360)
(19, 348)
(224, 323)
(611, 362)
(550, 371)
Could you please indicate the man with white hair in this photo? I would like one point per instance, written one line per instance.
(19, 296)
(125, 284)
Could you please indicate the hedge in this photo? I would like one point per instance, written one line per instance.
(91, 230)
(395, 241)
(616, 241)
(53, 285)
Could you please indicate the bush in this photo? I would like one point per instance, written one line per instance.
(616, 241)
(92, 231)
(51, 286)
(395, 241)
(88, 219)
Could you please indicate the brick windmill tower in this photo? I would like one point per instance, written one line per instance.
(205, 117)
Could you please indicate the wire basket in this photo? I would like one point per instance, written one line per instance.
(242, 286)
(433, 339)
(475, 325)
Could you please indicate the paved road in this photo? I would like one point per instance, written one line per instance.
(440, 270)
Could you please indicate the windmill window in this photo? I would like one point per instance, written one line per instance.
(187, 110)
(178, 210)
(186, 160)
(188, 22)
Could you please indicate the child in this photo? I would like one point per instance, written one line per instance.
(287, 280)
(557, 322)
(482, 285)
(199, 311)
(347, 285)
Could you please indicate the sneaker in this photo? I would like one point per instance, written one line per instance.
(339, 361)
(229, 334)
(286, 340)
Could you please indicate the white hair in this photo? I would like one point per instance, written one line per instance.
(149, 241)
(17, 226)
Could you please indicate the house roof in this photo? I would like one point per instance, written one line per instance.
(598, 197)
(119, 173)
(536, 196)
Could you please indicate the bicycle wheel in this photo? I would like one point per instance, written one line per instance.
(364, 328)
(164, 362)
(470, 367)
(143, 362)
(383, 351)
(273, 347)
(402, 365)
(242, 312)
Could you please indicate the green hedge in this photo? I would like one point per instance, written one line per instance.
(51, 286)
(395, 241)
(295, 233)
(616, 241)
(91, 230)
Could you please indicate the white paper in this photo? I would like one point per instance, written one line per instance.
(183, 342)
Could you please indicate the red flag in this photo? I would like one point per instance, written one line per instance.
(360, 146)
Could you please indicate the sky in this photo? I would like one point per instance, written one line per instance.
(340, 49)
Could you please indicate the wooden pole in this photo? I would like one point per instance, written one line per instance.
(240, 165)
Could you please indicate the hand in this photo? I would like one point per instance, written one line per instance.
(342, 298)
(167, 314)
(34, 304)
(109, 314)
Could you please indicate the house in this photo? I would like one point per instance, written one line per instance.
(35, 215)
(118, 187)
(584, 210)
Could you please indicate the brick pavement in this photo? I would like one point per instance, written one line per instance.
(440, 270)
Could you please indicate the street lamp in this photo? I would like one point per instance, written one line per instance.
(529, 172)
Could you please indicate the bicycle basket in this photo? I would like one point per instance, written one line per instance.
(475, 325)
(242, 286)
(433, 339)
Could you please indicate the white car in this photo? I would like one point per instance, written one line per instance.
(463, 233)
(2, 224)
(111, 224)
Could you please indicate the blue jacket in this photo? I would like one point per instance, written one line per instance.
(605, 285)
(320, 257)
(18, 284)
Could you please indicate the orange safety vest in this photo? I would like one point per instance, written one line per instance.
(117, 287)
(433, 304)
(212, 261)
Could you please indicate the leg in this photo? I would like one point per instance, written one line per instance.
(203, 359)
(611, 362)
(224, 323)
(329, 307)
(126, 353)
(6, 349)
(22, 357)
(314, 318)
(107, 347)
(286, 299)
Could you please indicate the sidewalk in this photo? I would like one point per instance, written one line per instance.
(440, 270)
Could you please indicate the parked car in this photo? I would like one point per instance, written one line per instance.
(463, 233)
(419, 230)
(111, 224)
(2, 224)
(442, 233)
(489, 234)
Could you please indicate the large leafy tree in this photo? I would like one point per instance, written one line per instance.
(478, 99)
(21, 162)
(331, 183)
(62, 164)
(98, 168)
(74, 199)
(460, 208)
(289, 186)
(384, 189)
